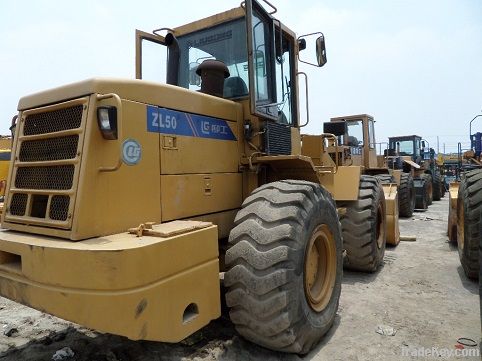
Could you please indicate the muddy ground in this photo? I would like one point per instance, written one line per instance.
(421, 292)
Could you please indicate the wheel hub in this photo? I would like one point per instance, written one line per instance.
(320, 268)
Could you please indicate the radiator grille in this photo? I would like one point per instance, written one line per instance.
(277, 139)
(18, 205)
(59, 208)
(53, 121)
(49, 177)
(46, 165)
(49, 149)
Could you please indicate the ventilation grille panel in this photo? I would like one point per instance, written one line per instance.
(277, 139)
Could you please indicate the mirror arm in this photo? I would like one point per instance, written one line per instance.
(298, 42)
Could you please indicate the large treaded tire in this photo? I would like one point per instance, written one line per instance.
(443, 186)
(266, 260)
(437, 187)
(469, 206)
(406, 195)
(421, 193)
(363, 227)
(429, 188)
(385, 178)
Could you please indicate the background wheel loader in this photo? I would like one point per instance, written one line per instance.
(373, 215)
(221, 191)
(465, 202)
(408, 154)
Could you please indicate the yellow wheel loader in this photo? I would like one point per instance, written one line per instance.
(219, 193)
(222, 193)
(364, 232)
(408, 154)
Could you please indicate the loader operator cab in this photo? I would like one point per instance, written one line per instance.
(411, 146)
(358, 138)
(260, 54)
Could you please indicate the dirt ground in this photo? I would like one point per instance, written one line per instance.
(421, 292)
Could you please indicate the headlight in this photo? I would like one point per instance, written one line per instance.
(107, 121)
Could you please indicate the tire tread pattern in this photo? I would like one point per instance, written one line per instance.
(359, 224)
(265, 261)
(470, 193)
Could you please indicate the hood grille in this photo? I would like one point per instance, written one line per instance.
(43, 150)
(53, 121)
(46, 165)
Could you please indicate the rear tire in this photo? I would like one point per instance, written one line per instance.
(437, 187)
(469, 207)
(429, 188)
(285, 266)
(364, 227)
(421, 192)
(442, 186)
(406, 194)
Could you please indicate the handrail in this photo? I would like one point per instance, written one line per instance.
(335, 143)
(275, 10)
(306, 95)
(470, 127)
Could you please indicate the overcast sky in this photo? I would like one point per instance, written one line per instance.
(415, 65)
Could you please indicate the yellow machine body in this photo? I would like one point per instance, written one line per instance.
(151, 288)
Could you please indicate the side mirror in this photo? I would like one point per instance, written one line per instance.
(423, 144)
(306, 42)
(321, 50)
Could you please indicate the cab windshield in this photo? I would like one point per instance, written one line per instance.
(225, 42)
(407, 147)
(354, 133)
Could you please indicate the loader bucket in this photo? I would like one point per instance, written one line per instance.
(452, 221)
(391, 202)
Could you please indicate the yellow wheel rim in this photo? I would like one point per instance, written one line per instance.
(320, 268)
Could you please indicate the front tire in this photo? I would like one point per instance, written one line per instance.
(429, 189)
(437, 187)
(364, 227)
(469, 207)
(285, 266)
(406, 193)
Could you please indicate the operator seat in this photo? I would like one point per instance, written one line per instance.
(353, 141)
(235, 87)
